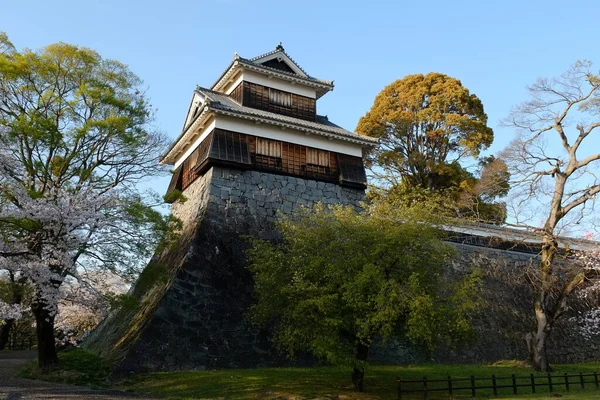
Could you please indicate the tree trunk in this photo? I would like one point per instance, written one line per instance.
(358, 373)
(536, 343)
(537, 340)
(44, 328)
(5, 333)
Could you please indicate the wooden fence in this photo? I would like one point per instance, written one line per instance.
(453, 386)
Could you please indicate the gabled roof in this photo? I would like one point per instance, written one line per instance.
(219, 103)
(280, 55)
(262, 64)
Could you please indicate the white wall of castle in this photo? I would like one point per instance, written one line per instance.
(275, 83)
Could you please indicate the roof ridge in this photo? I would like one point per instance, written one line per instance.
(202, 88)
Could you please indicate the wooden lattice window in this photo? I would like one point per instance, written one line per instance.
(352, 170)
(189, 167)
(230, 146)
(266, 147)
(317, 157)
(280, 98)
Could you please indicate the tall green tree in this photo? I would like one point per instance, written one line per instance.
(426, 125)
(340, 278)
(76, 138)
(424, 122)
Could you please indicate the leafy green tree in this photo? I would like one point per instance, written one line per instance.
(426, 125)
(340, 278)
(76, 138)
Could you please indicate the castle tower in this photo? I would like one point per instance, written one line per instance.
(252, 147)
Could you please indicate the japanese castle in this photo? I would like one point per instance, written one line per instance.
(261, 114)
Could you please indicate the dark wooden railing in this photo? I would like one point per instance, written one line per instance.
(423, 388)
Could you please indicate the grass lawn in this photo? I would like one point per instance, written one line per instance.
(76, 367)
(81, 368)
(334, 382)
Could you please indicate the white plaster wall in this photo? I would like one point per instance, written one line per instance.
(288, 135)
(275, 83)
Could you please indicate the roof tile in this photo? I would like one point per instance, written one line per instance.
(220, 101)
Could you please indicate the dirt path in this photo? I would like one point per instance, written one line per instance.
(12, 388)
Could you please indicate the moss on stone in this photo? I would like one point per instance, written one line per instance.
(154, 274)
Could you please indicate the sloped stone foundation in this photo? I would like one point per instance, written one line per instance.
(195, 316)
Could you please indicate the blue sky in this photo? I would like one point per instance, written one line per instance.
(494, 48)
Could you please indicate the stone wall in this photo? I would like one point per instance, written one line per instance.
(506, 317)
(197, 320)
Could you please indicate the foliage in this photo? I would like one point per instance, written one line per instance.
(424, 123)
(331, 382)
(464, 196)
(340, 278)
(16, 320)
(173, 196)
(81, 310)
(554, 166)
(9, 290)
(154, 274)
(76, 138)
(76, 367)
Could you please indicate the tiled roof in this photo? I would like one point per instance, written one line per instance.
(221, 102)
(307, 77)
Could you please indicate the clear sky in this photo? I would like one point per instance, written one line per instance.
(495, 48)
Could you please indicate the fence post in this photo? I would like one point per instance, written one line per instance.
(566, 381)
(494, 385)
(596, 379)
(532, 383)
(472, 385)
(514, 384)
(450, 386)
(399, 388)
(550, 383)
(581, 380)
(425, 393)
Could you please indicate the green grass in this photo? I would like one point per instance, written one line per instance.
(75, 366)
(79, 367)
(334, 382)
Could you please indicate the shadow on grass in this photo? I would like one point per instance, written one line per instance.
(334, 382)
(79, 367)
(75, 367)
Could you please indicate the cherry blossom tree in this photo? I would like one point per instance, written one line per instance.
(9, 311)
(589, 318)
(85, 302)
(76, 141)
